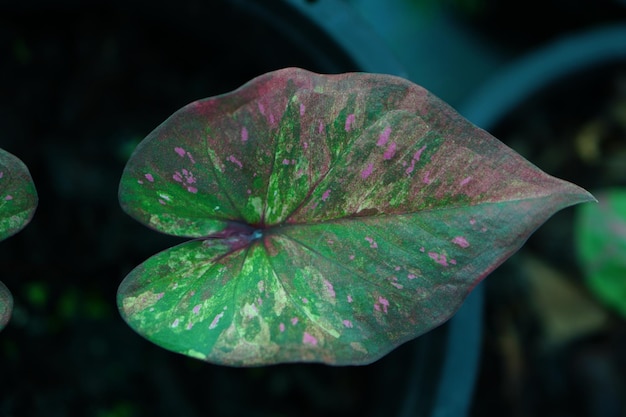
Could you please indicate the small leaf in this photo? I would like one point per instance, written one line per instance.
(601, 247)
(336, 217)
(18, 201)
(18, 197)
(6, 305)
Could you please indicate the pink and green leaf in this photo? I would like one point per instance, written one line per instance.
(6, 305)
(18, 201)
(18, 197)
(335, 217)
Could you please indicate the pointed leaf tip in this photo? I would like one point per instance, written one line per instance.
(339, 216)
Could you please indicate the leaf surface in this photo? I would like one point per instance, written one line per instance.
(6, 305)
(335, 217)
(18, 201)
(18, 197)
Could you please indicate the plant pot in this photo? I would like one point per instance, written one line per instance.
(550, 346)
(89, 82)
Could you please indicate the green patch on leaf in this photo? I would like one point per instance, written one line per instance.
(601, 247)
(335, 217)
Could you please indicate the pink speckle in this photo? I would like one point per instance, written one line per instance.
(349, 121)
(305, 145)
(1, 174)
(302, 109)
(351, 257)
(411, 276)
(180, 151)
(383, 302)
(427, 179)
(418, 154)
(440, 259)
(305, 300)
(348, 324)
(149, 177)
(465, 180)
(453, 261)
(175, 323)
(285, 161)
(422, 249)
(235, 161)
(244, 134)
(189, 326)
(188, 178)
(320, 129)
(397, 268)
(367, 171)
(384, 137)
(395, 283)
(281, 327)
(372, 242)
(472, 221)
(294, 321)
(162, 202)
(196, 309)
(216, 320)
(325, 195)
(309, 339)
(349, 298)
(193, 161)
(390, 152)
(461, 241)
(329, 288)
(259, 301)
(9, 197)
(249, 191)
(416, 157)
(261, 108)
(139, 182)
(411, 167)
(272, 120)
(160, 295)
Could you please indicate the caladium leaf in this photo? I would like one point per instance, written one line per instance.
(18, 201)
(6, 305)
(18, 197)
(335, 217)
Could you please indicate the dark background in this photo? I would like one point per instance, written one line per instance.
(81, 85)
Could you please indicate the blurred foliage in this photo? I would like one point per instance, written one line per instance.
(601, 247)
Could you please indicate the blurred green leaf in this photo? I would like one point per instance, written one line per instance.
(601, 247)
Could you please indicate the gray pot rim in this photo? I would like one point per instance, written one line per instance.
(525, 76)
